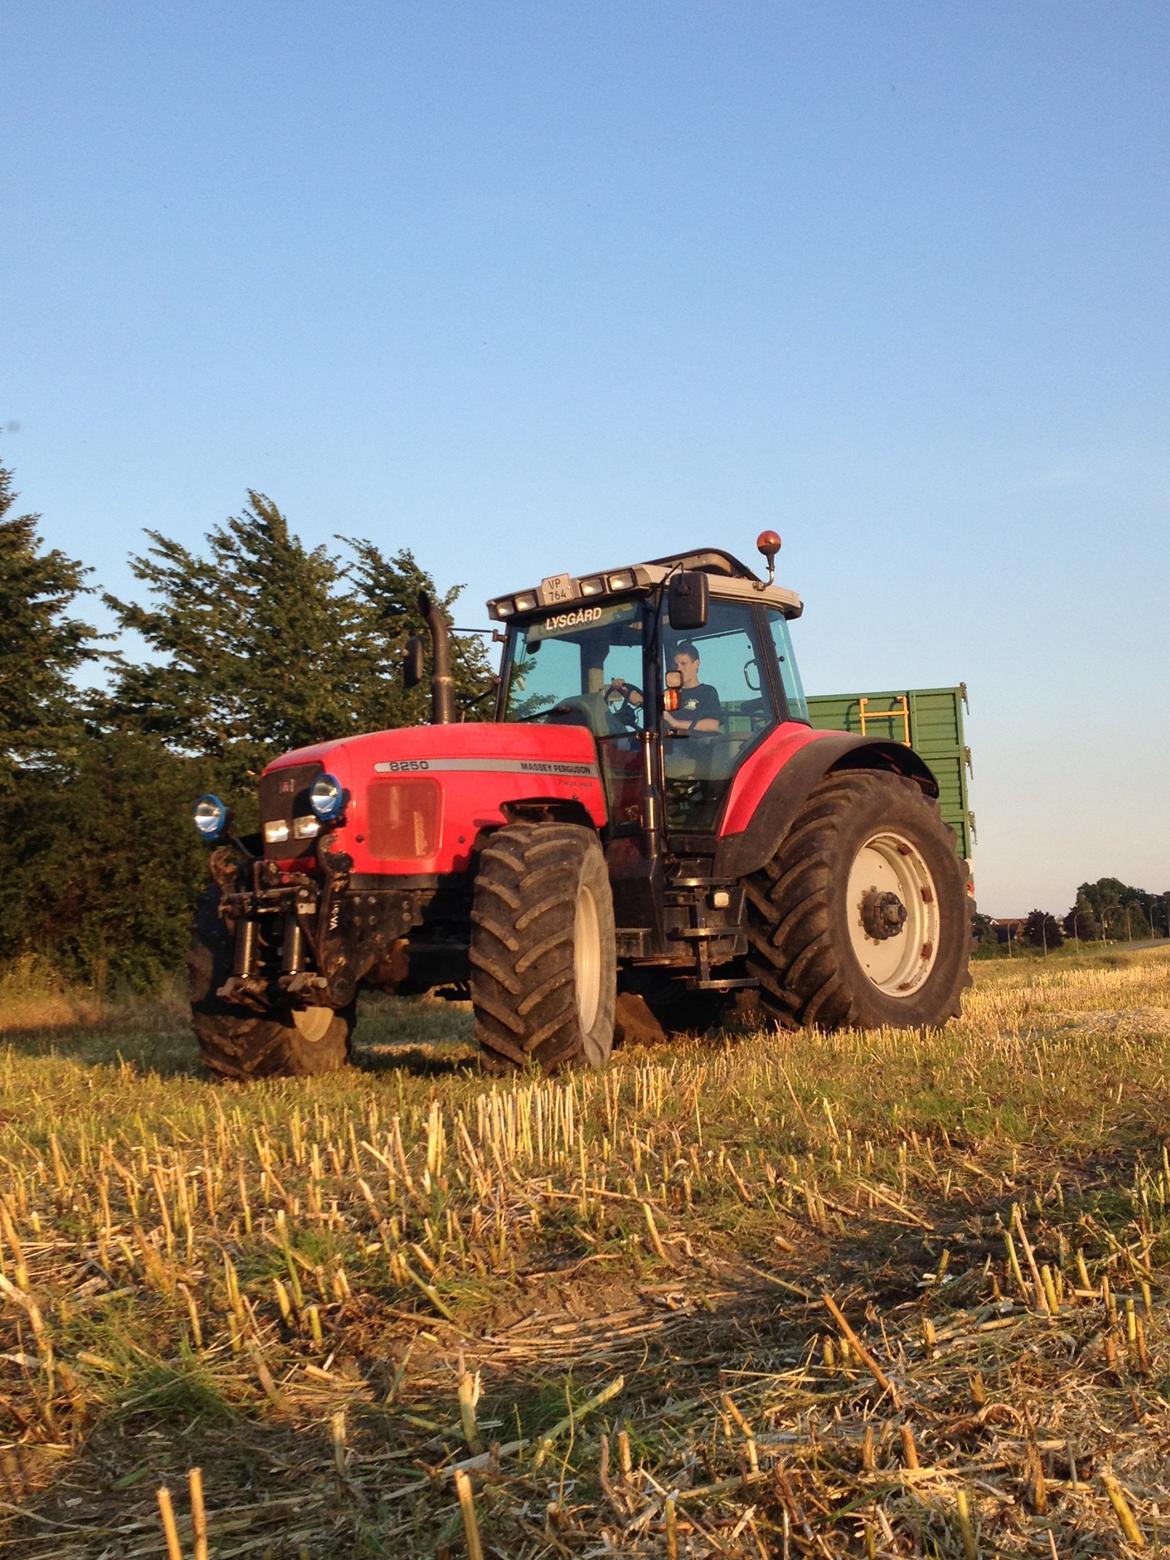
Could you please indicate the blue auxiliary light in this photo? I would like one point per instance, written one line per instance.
(327, 798)
(211, 817)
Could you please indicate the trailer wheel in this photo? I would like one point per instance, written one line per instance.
(543, 956)
(236, 1041)
(862, 918)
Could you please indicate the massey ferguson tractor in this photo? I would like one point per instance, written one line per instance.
(647, 827)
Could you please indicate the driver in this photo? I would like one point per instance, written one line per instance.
(699, 708)
(698, 703)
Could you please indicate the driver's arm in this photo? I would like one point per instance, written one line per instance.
(708, 718)
(633, 695)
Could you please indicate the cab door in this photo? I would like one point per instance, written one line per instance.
(735, 656)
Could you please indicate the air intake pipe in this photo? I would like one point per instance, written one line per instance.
(442, 683)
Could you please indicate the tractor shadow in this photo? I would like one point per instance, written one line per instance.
(417, 1059)
(421, 1037)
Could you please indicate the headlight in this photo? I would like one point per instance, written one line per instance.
(622, 581)
(326, 798)
(275, 831)
(593, 587)
(211, 817)
(526, 602)
(306, 828)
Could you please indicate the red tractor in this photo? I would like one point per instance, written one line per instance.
(648, 825)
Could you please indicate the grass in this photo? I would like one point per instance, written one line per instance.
(854, 1294)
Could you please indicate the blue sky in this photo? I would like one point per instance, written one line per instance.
(532, 287)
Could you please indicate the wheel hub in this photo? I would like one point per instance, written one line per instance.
(312, 1022)
(893, 913)
(882, 915)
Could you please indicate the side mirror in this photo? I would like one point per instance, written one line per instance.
(412, 662)
(688, 601)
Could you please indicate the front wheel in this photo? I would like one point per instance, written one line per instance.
(238, 1042)
(543, 954)
(861, 918)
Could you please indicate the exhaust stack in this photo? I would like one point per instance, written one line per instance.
(442, 683)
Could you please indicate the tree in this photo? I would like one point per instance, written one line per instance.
(387, 591)
(108, 864)
(256, 645)
(1080, 922)
(1121, 910)
(983, 935)
(264, 645)
(246, 644)
(1042, 930)
(42, 646)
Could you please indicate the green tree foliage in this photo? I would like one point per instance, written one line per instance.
(255, 645)
(41, 646)
(262, 645)
(386, 592)
(1042, 930)
(985, 943)
(1122, 912)
(1081, 923)
(109, 864)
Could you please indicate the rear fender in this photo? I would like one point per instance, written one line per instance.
(758, 815)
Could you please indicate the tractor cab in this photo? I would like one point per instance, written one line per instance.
(688, 656)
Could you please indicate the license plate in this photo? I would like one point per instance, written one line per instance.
(557, 587)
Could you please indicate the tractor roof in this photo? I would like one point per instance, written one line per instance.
(729, 578)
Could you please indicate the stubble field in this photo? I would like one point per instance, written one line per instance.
(804, 1295)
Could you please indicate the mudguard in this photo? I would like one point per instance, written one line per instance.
(765, 799)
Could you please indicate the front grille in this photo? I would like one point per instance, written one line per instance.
(404, 819)
(284, 795)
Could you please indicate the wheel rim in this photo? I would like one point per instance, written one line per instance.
(312, 1023)
(890, 875)
(587, 958)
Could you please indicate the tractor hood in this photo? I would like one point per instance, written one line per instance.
(417, 799)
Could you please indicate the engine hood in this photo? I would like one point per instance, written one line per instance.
(419, 797)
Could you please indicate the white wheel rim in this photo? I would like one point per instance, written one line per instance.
(888, 864)
(587, 958)
(312, 1023)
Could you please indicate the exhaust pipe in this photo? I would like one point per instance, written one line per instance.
(442, 683)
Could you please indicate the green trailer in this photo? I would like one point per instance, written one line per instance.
(930, 720)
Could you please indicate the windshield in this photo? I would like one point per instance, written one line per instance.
(576, 658)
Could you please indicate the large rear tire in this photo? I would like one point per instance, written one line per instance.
(861, 918)
(237, 1042)
(543, 954)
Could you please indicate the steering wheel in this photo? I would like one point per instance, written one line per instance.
(619, 705)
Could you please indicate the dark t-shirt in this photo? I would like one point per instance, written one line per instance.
(698, 703)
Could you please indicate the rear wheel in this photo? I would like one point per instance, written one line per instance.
(237, 1042)
(862, 918)
(543, 959)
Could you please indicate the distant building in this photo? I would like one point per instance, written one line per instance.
(1008, 928)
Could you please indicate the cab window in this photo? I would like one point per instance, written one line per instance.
(789, 673)
(726, 658)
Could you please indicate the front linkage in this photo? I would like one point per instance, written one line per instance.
(277, 957)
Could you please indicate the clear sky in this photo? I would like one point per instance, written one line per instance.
(546, 286)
